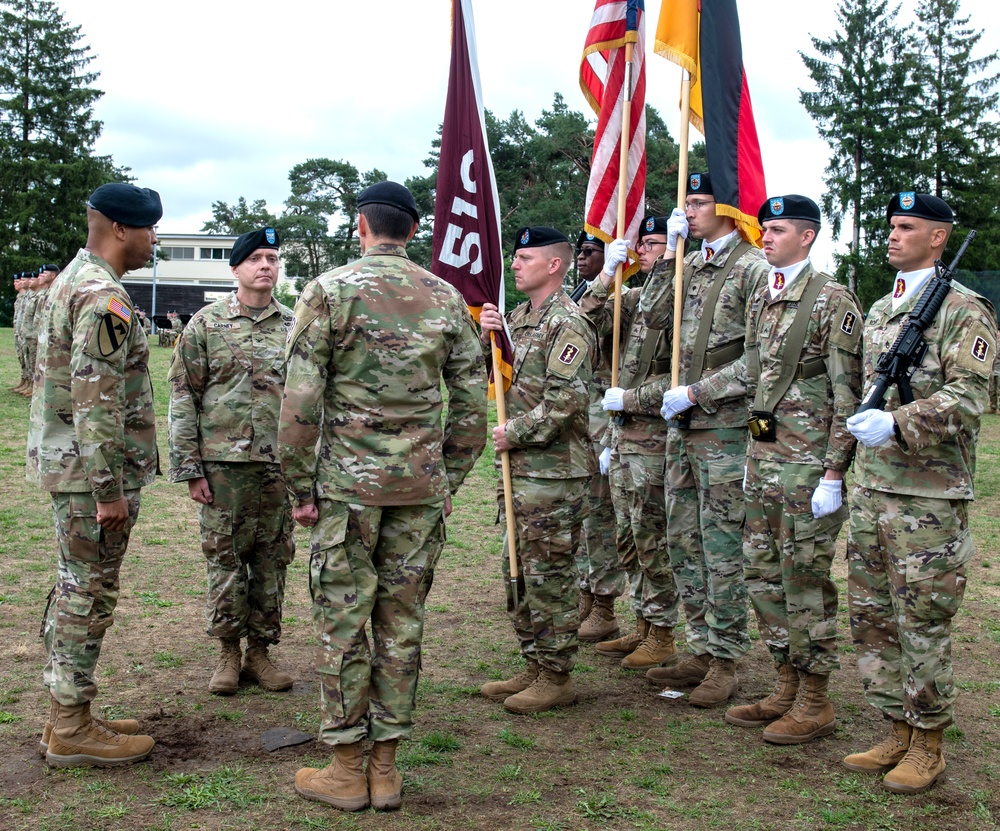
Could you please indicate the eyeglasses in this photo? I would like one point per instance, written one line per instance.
(647, 244)
(697, 206)
(587, 252)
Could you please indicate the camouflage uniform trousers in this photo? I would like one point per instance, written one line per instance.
(788, 555)
(597, 560)
(705, 513)
(907, 557)
(642, 481)
(246, 536)
(371, 562)
(627, 560)
(548, 521)
(82, 603)
(30, 354)
(995, 387)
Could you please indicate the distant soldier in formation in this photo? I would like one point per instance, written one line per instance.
(372, 472)
(20, 300)
(226, 381)
(34, 315)
(92, 445)
(909, 541)
(803, 351)
(995, 384)
(706, 440)
(551, 462)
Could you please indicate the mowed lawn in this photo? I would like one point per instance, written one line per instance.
(620, 759)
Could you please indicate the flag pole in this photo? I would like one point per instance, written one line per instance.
(626, 142)
(508, 498)
(682, 175)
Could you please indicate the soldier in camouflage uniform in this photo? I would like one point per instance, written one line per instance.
(372, 472)
(798, 455)
(29, 334)
(226, 380)
(551, 461)
(909, 540)
(602, 578)
(638, 437)
(995, 384)
(20, 289)
(92, 445)
(706, 446)
(33, 326)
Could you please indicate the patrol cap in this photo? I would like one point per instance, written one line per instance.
(791, 206)
(538, 236)
(922, 205)
(127, 204)
(389, 193)
(653, 225)
(249, 242)
(589, 238)
(700, 183)
(48, 267)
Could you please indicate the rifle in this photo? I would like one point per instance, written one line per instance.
(907, 353)
(577, 292)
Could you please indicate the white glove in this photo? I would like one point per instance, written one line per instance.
(614, 255)
(744, 478)
(604, 461)
(827, 497)
(614, 399)
(675, 402)
(677, 226)
(872, 428)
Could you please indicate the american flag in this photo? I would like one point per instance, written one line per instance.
(602, 79)
(116, 307)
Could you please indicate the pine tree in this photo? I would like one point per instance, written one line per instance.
(47, 136)
(863, 108)
(958, 97)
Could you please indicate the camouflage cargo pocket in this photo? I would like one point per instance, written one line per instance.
(331, 581)
(935, 578)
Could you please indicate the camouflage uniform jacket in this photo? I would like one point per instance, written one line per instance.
(41, 296)
(19, 303)
(226, 379)
(934, 451)
(370, 344)
(810, 416)
(28, 313)
(720, 392)
(641, 430)
(92, 428)
(555, 350)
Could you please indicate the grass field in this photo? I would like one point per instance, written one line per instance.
(621, 759)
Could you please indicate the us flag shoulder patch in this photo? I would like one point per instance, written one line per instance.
(569, 353)
(980, 349)
(848, 323)
(119, 309)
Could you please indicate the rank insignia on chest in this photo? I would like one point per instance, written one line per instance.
(848, 323)
(569, 353)
(980, 349)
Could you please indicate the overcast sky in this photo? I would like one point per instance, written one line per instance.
(214, 100)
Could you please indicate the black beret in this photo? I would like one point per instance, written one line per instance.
(792, 206)
(537, 236)
(590, 238)
(922, 205)
(127, 204)
(251, 241)
(48, 267)
(700, 183)
(389, 193)
(653, 225)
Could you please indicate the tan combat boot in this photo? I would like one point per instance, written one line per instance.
(627, 644)
(689, 671)
(922, 766)
(501, 690)
(125, 726)
(76, 740)
(586, 604)
(657, 649)
(551, 689)
(385, 783)
(341, 784)
(811, 716)
(773, 707)
(226, 678)
(602, 624)
(718, 686)
(257, 667)
(885, 755)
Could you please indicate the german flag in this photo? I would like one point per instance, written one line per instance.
(704, 39)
